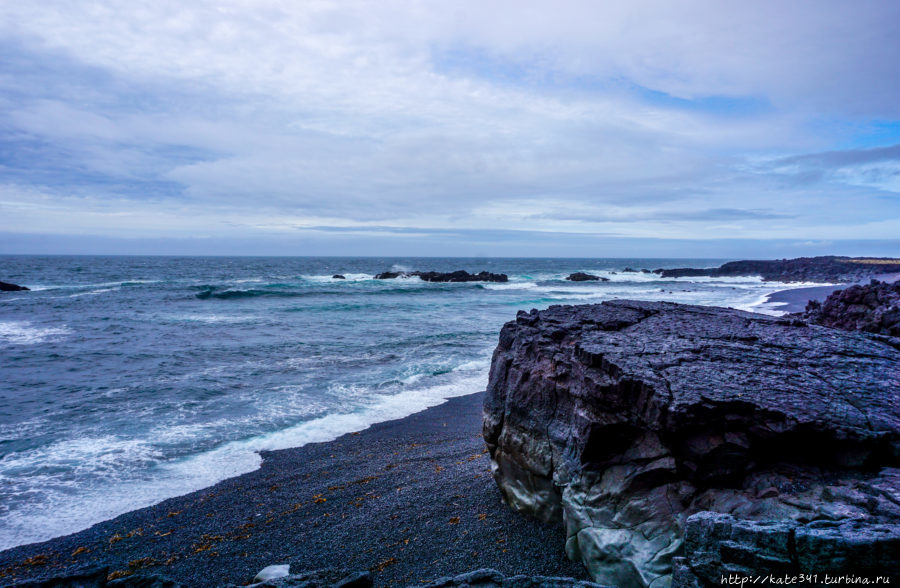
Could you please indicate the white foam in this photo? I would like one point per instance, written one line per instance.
(63, 510)
(511, 286)
(331, 279)
(23, 333)
(212, 318)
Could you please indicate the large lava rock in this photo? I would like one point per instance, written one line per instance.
(622, 419)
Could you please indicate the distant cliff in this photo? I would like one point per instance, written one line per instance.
(801, 269)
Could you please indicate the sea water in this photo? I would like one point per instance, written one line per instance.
(128, 380)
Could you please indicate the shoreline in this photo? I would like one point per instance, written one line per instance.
(410, 499)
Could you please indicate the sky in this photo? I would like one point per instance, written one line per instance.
(508, 128)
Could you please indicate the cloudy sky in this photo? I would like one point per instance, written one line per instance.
(583, 128)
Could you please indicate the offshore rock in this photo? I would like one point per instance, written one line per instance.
(461, 276)
(7, 287)
(583, 277)
(624, 418)
(487, 578)
(802, 269)
(873, 308)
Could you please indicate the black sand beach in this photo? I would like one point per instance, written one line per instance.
(411, 500)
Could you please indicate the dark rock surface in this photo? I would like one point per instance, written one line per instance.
(7, 287)
(99, 577)
(457, 276)
(718, 545)
(622, 419)
(801, 269)
(488, 578)
(461, 276)
(92, 577)
(339, 277)
(583, 277)
(873, 308)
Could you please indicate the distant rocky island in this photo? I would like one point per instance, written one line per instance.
(802, 269)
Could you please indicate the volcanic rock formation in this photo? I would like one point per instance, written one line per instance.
(624, 418)
(874, 308)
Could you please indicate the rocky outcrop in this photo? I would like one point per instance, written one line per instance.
(624, 418)
(718, 546)
(873, 308)
(486, 578)
(583, 277)
(7, 287)
(461, 276)
(339, 277)
(457, 276)
(801, 269)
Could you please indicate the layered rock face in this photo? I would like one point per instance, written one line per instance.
(719, 546)
(874, 308)
(624, 418)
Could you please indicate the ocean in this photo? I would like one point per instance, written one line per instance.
(128, 380)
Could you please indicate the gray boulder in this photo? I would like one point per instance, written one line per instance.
(622, 419)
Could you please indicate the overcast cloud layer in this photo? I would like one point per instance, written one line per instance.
(450, 127)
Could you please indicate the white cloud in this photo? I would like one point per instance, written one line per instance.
(250, 116)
